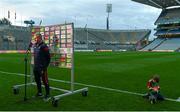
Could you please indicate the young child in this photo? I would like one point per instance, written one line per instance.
(154, 90)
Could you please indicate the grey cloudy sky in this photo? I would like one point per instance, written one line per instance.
(126, 14)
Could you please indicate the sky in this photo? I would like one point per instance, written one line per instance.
(126, 14)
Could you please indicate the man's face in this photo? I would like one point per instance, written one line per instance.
(38, 39)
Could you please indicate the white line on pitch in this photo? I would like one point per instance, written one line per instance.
(92, 86)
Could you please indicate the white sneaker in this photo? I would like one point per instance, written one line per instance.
(38, 95)
(46, 98)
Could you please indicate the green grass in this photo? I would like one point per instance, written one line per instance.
(118, 70)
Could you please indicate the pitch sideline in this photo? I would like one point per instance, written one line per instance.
(92, 86)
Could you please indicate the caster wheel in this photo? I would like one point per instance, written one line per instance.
(84, 93)
(55, 103)
(15, 91)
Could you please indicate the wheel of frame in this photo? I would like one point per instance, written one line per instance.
(55, 103)
(16, 91)
(84, 93)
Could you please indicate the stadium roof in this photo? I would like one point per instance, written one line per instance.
(159, 3)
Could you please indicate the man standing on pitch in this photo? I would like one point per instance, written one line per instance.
(41, 63)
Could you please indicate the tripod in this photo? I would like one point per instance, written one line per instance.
(25, 72)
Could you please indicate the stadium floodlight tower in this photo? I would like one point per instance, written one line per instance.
(108, 10)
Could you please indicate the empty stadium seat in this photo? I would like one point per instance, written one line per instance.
(169, 44)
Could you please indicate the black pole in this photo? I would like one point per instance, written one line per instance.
(107, 25)
(26, 60)
(107, 22)
(25, 78)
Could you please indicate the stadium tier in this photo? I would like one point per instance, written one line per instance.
(153, 44)
(170, 44)
(168, 25)
(169, 32)
(99, 39)
(169, 16)
(14, 37)
(18, 38)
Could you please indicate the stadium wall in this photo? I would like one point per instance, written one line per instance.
(18, 38)
(14, 37)
(100, 39)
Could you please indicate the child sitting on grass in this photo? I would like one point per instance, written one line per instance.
(153, 90)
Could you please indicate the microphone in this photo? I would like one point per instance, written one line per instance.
(29, 46)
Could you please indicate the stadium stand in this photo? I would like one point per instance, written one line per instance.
(151, 46)
(95, 39)
(18, 38)
(168, 25)
(170, 44)
(14, 37)
(168, 16)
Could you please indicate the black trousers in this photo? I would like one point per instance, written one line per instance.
(41, 74)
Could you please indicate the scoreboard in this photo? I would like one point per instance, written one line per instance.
(59, 39)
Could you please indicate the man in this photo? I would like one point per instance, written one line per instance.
(153, 90)
(41, 62)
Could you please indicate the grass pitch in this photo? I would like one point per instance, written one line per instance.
(127, 71)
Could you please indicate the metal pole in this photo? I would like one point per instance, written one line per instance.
(87, 39)
(72, 66)
(72, 75)
(87, 35)
(25, 88)
(108, 22)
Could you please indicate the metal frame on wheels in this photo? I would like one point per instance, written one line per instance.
(72, 91)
